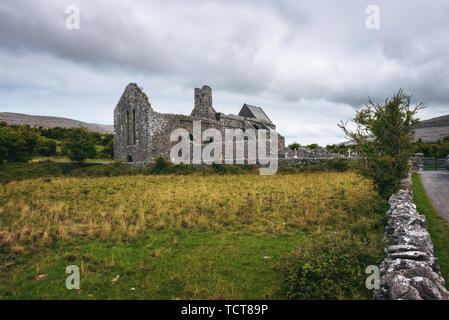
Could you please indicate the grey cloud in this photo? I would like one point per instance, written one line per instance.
(287, 56)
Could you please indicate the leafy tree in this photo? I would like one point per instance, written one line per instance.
(17, 143)
(46, 147)
(439, 149)
(97, 137)
(59, 133)
(294, 146)
(384, 136)
(56, 133)
(3, 147)
(312, 146)
(79, 145)
(339, 148)
(108, 151)
(107, 138)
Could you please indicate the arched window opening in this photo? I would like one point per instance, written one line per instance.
(134, 126)
(129, 158)
(127, 128)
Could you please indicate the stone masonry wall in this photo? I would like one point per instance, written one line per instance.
(410, 270)
(142, 134)
(132, 125)
(203, 103)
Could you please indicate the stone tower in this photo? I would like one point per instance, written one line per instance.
(203, 103)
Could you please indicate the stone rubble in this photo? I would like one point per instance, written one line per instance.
(409, 271)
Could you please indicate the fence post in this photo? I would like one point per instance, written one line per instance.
(419, 160)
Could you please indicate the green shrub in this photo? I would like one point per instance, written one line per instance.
(3, 148)
(312, 146)
(294, 146)
(19, 171)
(58, 133)
(45, 147)
(107, 139)
(17, 143)
(108, 151)
(182, 168)
(387, 173)
(161, 166)
(33, 170)
(342, 149)
(339, 165)
(330, 266)
(384, 139)
(439, 149)
(79, 145)
(104, 170)
(230, 168)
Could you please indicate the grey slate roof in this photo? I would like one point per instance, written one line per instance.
(250, 111)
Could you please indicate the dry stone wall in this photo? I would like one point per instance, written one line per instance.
(410, 271)
(303, 162)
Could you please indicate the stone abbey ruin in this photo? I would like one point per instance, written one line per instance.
(142, 134)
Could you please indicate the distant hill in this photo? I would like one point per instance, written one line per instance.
(51, 122)
(434, 129)
(442, 121)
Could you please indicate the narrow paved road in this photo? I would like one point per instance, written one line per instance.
(436, 184)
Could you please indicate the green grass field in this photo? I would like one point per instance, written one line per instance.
(190, 237)
(437, 226)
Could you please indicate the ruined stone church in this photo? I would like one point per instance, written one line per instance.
(142, 134)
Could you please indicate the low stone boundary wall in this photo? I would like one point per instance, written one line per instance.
(290, 162)
(300, 162)
(410, 270)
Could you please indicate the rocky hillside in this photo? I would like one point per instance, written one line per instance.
(51, 122)
(433, 129)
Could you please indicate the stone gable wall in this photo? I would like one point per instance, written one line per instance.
(132, 100)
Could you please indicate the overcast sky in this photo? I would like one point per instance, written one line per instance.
(308, 64)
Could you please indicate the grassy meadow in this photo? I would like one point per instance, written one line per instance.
(231, 236)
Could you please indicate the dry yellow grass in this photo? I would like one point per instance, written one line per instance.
(194, 236)
(126, 207)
